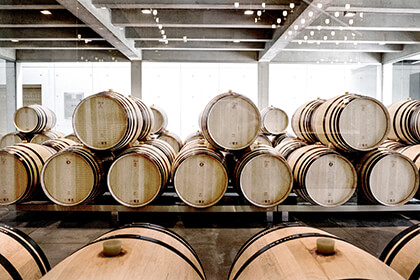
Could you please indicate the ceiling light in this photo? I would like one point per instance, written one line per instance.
(319, 27)
(103, 8)
(319, 6)
(318, 43)
(300, 42)
(284, 13)
(337, 43)
(361, 15)
(382, 43)
(351, 21)
(160, 26)
(305, 37)
(259, 13)
(236, 41)
(290, 32)
(263, 5)
(325, 38)
(279, 20)
(146, 11)
(87, 41)
(154, 12)
(345, 38)
(349, 14)
(310, 14)
(327, 21)
(292, 5)
(157, 20)
(273, 26)
(162, 32)
(255, 20)
(347, 6)
(296, 27)
(15, 40)
(353, 34)
(303, 21)
(337, 14)
(164, 37)
(184, 38)
(236, 4)
(79, 36)
(249, 12)
(332, 33)
(312, 33)
(166, 42)
(355, 43)
(46, 12)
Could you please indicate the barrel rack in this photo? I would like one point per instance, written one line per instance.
(231, 203)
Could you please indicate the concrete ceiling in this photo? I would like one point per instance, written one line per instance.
(317, 31)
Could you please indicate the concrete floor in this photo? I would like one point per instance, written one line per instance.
(216, 237)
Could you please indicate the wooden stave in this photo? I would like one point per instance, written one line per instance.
(43, 136)
(200, 148)
(158, 128)
(204, 121)
(288, 146)
(392, 145)
(413, 153)
(73, 137)
(96, 165)
(262, 139)
(46, 118)
(59, 143)
(364, 170)
(164, 147)
(401, 114)
(136, 239)
(301, 160)
(17, 137)
(32, 157)
(156, 157)
(279, 138)
(260, 151)
(415, 124)
(264, 113)
(15, 241)
(133, 119)
(147, 116)
(172, 139)
(303, 118)
(402, 253)
(329, 132)
(249, 262)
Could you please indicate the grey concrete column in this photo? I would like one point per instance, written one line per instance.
(263, 84)
(136, 67)
(10, 93)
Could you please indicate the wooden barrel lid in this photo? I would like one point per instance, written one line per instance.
(134, 180)
(160, 119)
(274, 120)
(10, 139)
(73, 137)
(172, 139)
(40, 138)
(264, 140)
(26, 119)
(14, 180)
(200, 180)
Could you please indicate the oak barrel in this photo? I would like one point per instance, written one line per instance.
(172, 139)
(139, 175)
(60, 143)
(387, 177)
(41, 137)
(263, 177)
(199, 174)
(147, 117)
(147, 252)
(107, 121)
(322, 176)
(302, 120)
(160, 119)
(34, 118)
(289, 251)
(352, 123)
(21, 165)
(273, 120)
(278, 138)
(403, 253)
(20, 256)
(405, 121)
(413, 153)
(262, 139)
(73, 137)
(12, 138)
(195, 135)
(74, 176)
(164, 147)
(230, 121)
(393, 145)
(288, 146)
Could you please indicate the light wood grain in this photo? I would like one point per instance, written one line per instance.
(273, 120)
(160, 120)
(73, 137)
(413, 153)
(40, 138)
(303, 118)
(172, 139)
(11, 138)
(34, 118)
(405, 121)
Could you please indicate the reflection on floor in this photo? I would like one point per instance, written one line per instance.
(216, 237)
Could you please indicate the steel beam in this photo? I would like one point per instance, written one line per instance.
(328, 57)
(49, 34)
(69, 56)
(56, 45)
(332, 47)
(408, 51)
(240, 46)
(8, 54)
(33, 18)
(200, 56)
(377, 6)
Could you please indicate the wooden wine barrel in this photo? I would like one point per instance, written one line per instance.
(12, 138)
(352, 123)
(230, 121)
(139, 175)
(403, 253)
(273, 120)
(263, 177)
(199, 174)
(413, 153)
(263, 140)
(405, 122)
(60, 143)
(193, 136)
(40, 138)
(34, 118)
(147, 116)
(107, 121)
(20, 167)
(20, 256)
(322, 176)
(393, 145)
(74, 176)
(147, 252)
(73, 137)
(164, 147)
(302, 121)
(172, 139)
(288, 146)
(279, 138)
(160, 120)
(290, 252)
(387, 177)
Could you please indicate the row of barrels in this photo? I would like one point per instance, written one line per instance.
(154, 252)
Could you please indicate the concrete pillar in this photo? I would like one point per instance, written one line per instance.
(10, 93)
(136, 67)
(263, 84)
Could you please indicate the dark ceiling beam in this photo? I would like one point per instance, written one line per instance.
(377, 6)
(29, 5)
(200, 34)
(56, 45)
(196, 18)
(216, 46)
(33, 18)
(49, 34)
(69, 56)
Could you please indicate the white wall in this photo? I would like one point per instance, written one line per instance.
(87, 78)
(364, 81)
(401, 80)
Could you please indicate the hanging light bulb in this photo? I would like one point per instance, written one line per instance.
(347, 6)
(154, 12)
(255, 20)
(162, 32)
(327, 21)
(279, 20)
(351, 21)
(236, 4)
(302, 21)
(305, 37)
(336, 14)
(259, 13)
(312, 33)
(284, 13)
(160, 26)
(311, 14)
(332, 33)
(157, 20)
(184, 38)
(319, 5)
(296, 27)
(319, 27)
(263, 5)
(273, 26)
(325, 38)
(290, 32)
(292, 5)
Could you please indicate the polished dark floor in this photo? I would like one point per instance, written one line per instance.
(216, 237)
